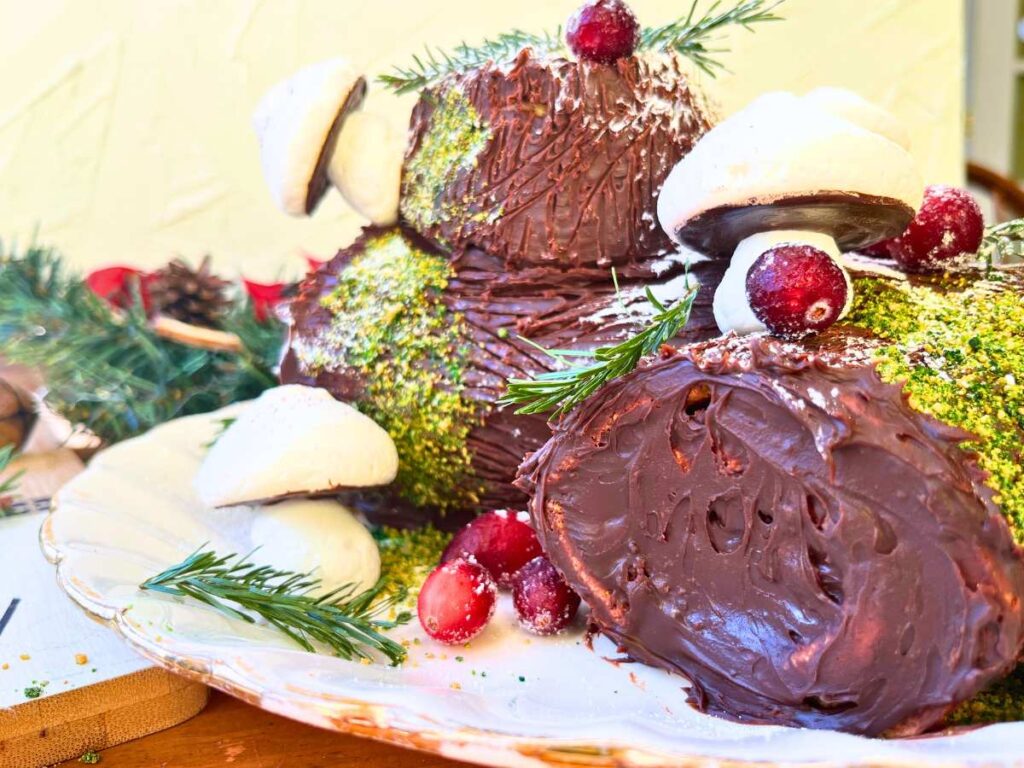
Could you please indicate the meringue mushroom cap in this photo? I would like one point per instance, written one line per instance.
(295, 441)
(297, 124)
(783, 163)
(367, 166)
(320, 536)
(853, 107)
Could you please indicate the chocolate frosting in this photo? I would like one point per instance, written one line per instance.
(574, 158)
(574, 309)
(779, 525)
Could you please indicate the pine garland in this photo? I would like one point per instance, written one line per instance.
(111, 372)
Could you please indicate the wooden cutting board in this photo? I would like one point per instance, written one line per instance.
(68, 685)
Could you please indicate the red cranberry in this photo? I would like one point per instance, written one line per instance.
(602, 31)
(796, 289)
(544, 602)
(880, 250)
(500, 541)
(948, 226)
(456, 601)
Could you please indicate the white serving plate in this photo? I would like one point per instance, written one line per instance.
(133, 513)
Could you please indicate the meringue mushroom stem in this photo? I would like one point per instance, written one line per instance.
(731, 308)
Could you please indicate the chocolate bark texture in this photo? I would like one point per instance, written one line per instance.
(780, 525)
(550, 162)
(423, 342)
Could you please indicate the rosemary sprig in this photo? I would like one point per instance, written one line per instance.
(562, 390)
(348, 623)
(689, 35)
(1003, 241)
(436, 63)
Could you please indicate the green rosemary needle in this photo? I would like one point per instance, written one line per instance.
(562, 390)
(1003, 242)
(436, 63)
(349, 623)
(690, 35)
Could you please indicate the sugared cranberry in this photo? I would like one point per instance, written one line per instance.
(544, 602)
(602, 31)
(456, 601)
(948, 227)
(500, 541)
(880, 250)
(796, 290)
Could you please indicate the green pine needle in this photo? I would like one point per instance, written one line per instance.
(1003, 242)
(562, 390)
(347, 622)
(689, 35)
(436, 64)
(111, 372)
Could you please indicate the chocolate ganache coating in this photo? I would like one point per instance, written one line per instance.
(434, 376)
(550, 162)
(778, 524)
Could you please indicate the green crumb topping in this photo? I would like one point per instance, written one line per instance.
(960, 352)
(392, 327)
(90, 758)
(452, 142)
(1003, 702)
(407, 556)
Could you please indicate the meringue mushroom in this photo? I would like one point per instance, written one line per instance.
(793, 167)
(319, 536)
(295, 441)
(312, 135)
(856, 109)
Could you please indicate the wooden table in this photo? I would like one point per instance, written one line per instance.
(231, 733)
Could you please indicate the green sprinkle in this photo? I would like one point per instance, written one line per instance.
(522, 679)
(960, 353)
(34, 691)
(406, 557)
(1002, 702)
(391, 326)
(452, 142)
(90, 758)
(459, 659)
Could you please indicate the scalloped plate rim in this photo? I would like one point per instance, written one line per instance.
(390, 722)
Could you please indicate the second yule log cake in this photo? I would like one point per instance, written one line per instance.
(817, 517)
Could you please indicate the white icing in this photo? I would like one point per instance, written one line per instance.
(292, 123)
(295, 440)
(779, 146)
(859, 111)
(732, 307)
(320, 536)
(366, 166)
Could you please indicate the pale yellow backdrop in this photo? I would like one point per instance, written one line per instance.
(124, 124)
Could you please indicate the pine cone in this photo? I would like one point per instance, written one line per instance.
(17, 415)
(194, 296)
